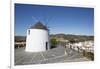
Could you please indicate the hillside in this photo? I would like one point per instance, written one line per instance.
(71, 37)
(64, 36)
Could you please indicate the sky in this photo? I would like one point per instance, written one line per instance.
(59, 19)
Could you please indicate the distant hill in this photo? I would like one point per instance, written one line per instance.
(71, 36)
(64, 36)
(20, 38)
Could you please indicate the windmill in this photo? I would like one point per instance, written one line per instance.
(45, 21)
(37, 37)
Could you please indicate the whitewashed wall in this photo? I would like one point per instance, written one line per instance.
(36, 40)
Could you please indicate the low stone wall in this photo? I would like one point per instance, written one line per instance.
(20, 44)
(87, 52)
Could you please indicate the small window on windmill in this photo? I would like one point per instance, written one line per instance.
(28, 32)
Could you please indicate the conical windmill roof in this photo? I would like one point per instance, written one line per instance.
(39, 25)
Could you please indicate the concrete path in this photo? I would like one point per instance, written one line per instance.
(56, 55)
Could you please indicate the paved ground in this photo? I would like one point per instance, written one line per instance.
(55, 55)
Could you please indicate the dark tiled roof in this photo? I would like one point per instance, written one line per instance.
(39, 25)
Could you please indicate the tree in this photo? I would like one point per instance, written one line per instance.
(72, 41)
(53, 42)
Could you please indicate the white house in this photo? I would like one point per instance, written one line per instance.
(37, 39)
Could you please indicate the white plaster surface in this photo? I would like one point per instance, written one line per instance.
(36, 40)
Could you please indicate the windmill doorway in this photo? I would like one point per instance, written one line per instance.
(46, 45)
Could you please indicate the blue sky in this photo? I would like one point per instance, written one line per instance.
(59, 19)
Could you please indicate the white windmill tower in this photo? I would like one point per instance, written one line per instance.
(37, 39)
